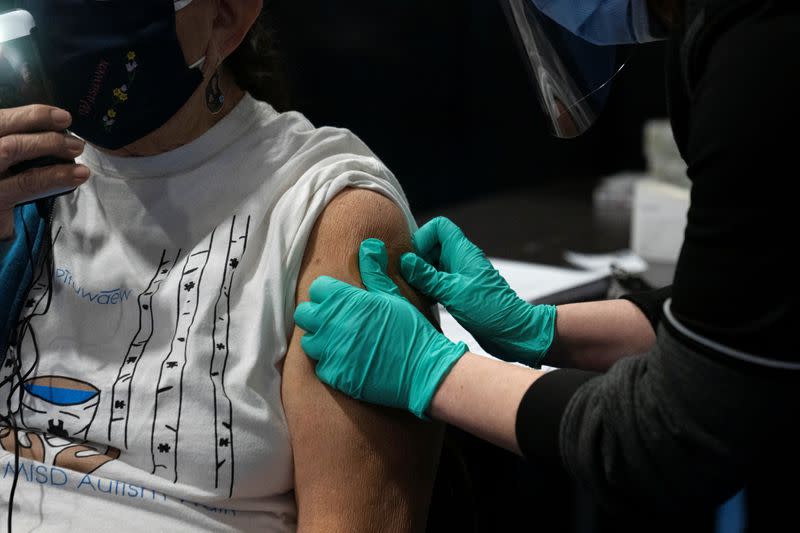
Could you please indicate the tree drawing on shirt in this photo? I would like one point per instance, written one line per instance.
(169, 391)
(122, 390)
(223, 409)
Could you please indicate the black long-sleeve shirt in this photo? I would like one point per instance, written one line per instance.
(700, 416)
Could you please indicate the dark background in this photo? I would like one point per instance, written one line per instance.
(439, 91)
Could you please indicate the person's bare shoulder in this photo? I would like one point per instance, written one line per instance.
(357, 467)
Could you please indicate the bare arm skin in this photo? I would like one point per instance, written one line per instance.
(357, 467)
(595, 335)
(482, 396)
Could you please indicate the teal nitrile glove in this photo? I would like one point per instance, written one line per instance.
(477, 295)
(374, 345)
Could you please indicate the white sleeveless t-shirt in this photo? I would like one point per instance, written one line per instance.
(150, 397)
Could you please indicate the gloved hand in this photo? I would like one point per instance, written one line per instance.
(477, 295)
(373, 344)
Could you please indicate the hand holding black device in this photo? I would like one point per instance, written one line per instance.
(37, 155)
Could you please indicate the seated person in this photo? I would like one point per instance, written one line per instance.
(155, 381)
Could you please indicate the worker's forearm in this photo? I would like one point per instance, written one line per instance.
(595, 335)
(481, 396)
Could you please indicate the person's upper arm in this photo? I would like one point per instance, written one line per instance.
(741, 139)
(357, 467)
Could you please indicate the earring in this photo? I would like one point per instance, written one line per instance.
(215, 99)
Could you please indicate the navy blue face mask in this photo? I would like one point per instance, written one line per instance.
(116, 65)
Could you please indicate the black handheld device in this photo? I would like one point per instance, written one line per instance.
(23, 80)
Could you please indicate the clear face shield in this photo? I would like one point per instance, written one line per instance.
(571, 75)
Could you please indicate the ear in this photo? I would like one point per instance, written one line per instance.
(233, 20)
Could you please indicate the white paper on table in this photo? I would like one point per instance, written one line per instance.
(624, 259)
(540, 283)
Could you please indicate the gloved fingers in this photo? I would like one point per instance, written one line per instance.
(434, 257)
(310, 347)
(307, 317)
(325, 286)
(429, 238)
(443, 244)
(374, 262)
(424, 277)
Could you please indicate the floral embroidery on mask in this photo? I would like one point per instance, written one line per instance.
(132, 64)
(110, 117)
(121, 93)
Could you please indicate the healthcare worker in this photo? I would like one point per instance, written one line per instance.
(666, 402)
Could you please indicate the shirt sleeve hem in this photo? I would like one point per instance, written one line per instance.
(541, 409)
(651, 303)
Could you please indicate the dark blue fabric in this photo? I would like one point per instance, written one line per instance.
(117, 66)
(598, 22)
(16, 268)
(591, 67)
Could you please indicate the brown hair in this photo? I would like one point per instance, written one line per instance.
(257, 68)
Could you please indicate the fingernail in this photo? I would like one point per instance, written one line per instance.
(75, 146)
(61, 118)
(81, 173)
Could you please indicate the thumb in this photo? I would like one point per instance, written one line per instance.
(307, 318)
(424, 277)
(373, 262)
(310, 347)
(325, 286)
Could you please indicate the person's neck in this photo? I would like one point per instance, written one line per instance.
(189, 123)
